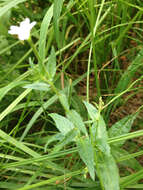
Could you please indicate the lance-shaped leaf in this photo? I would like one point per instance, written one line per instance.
(43, 33)
(77, 121)
(92, 111)
(122, 127)
(64, 101)
(98, 130)
(62, 123)
(108, 172)
(68, 138)
(106, 167)
(101, 136)
(86, 153)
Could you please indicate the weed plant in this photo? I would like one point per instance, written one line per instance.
(71, 95)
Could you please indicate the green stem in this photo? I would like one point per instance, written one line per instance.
(92, 23)
(88, 74)
(44, 73)
(41, 65)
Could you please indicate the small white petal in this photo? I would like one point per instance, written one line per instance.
(14, 30)
(32, 24)
(25, 23)
(24, 36)
(23, 31)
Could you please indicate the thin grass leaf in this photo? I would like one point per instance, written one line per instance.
(56, 16)
(51, 180)
(14, 103)
(10, 185)
(136, 186)
(43, 33)
(10, 5)
(18, 144)
(130, 156)
(129, 73)
(131, 179)
(6, 89)
(125, 159)
(130, 135)
(43, 158)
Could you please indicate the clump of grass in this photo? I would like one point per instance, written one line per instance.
(52, 135)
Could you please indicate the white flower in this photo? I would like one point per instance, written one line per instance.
(23, 31)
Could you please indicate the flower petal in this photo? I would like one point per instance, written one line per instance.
(32, 24)
(23, 31)
(13, 30)
(25, 23)
(23, 36)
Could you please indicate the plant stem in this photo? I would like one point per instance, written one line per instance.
(41, 65)
(92, 21)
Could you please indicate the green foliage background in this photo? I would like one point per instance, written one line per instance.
(71, 95)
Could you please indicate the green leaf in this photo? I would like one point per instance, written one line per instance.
(77, 121)
(18, 144)
(101, 136)
(98, 130)
(38, 86)
(129, 73)
(56, 15)
(122, 127)
(14, 103)
(92, 111)
(9, 185)
(69, 137)
(108, 172)
(62, 123)
(105, 165)
(10, 5)
(131, 179)
(118, 153)
(4, 24)
(64, 101)
(6, 89)
(78, 105)
(56, 137)
(86, 153)
(48, 103)
(43, 33)
(51, 64)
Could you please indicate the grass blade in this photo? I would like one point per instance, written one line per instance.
(56, 15)
(43, 33)
(18, 144)
(10, 5)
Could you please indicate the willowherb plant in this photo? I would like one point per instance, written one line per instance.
(81, 152)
